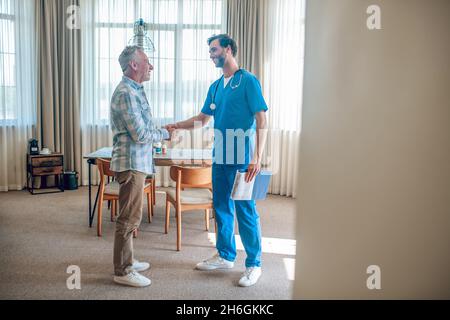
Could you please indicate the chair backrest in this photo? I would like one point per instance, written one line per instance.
(104, 170)
(192, 177)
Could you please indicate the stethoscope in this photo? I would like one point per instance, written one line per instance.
(213, 106)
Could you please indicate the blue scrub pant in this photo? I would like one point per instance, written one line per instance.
(247, 217)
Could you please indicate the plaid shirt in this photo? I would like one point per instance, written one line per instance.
(133, 129)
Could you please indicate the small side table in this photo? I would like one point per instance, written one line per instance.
(43, 165)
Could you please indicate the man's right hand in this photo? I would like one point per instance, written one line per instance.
(171, 127)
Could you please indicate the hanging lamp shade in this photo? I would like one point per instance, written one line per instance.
(140, 37)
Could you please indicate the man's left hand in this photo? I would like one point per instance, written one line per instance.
(253, 169)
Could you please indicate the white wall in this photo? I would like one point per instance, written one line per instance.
(374, 184)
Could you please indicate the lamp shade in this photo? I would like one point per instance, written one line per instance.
(140, 37)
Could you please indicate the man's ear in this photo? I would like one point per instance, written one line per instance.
(133, 65)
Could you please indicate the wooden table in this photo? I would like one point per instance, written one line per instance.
(181, 157)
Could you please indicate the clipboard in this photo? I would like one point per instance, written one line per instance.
(253, 190)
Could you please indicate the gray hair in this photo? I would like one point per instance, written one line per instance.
(127, 55)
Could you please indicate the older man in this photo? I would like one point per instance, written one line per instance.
(134, 133)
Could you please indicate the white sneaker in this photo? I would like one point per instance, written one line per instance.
(140, 266)
(215, 262)
(133, 279)
(250, 276)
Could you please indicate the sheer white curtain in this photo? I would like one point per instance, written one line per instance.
(283, 82)
(17, 89)
(182, 69)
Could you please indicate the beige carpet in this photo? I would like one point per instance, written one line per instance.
(41, 235)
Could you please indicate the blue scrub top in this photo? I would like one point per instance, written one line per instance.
(234, 117)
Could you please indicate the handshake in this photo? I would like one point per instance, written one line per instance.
(172, 131)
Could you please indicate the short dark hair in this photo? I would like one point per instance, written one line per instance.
(225, 41)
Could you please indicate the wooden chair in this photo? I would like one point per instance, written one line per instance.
(192, 191)
(110, 191)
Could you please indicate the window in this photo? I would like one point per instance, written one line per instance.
(284, 69)
(182, 68)
(7, 61)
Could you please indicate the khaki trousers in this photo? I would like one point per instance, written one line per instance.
(131, 194)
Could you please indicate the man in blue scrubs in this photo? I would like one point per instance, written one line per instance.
(236, 103)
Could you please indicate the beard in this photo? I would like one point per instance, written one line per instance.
(220, 61)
